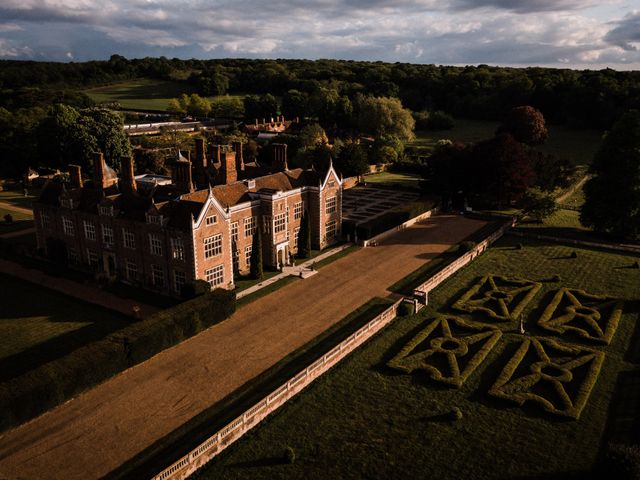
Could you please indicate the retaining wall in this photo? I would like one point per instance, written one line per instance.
(254, 415)
(403, 226)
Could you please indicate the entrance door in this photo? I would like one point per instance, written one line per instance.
(110, 265)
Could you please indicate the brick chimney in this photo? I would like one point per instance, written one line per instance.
(75, 176)
(200, 167)
(99, 178)
(127, 180)
(280, 157)
(228, 170)
(181, 177)
(237, 147)
(217, 154)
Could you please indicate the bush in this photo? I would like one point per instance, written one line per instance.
(405, 309)
(519, 246)
(456, 414)
(635, 264)
(40, 389)
(289, 455)
(574, 254)
(195, 289)
(556, 278)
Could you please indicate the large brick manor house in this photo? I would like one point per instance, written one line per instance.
(161, 232)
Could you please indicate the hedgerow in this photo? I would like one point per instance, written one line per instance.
(554, 367)
(439, 339)
(499, 297)
(592, 317)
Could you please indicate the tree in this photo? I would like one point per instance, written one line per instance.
(612, 195)
(260, 106)
(384, 116)
(526, 124)
(312, 135)
(304, 237)
(501, 170)
(255, 263)
(352, 160)
(538, 204)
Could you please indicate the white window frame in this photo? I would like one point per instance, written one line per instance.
(247, 254)
(296, 234)
(234, 231)
(331, 205)
(211, 220)
(297, 211)
(68, 226)
(215, 275)
(177, 248)
(106, 210)
(107, 236)
(131, 270)
(179, 279)
(45, 220)
(157, 273)
(213, 246)
(155, 244)
(92, 254)
(331, 225)
(89, 230)
(250, 224)
(128, 239)
(280, 223)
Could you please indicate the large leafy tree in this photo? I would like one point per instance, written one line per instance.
(382, 116)
(352, 160)
(612, 195)
(526, 124)
(67, 135)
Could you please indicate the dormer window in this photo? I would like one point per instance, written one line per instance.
(106, 210)
(66, 203)
(331, 184)
(154, 218)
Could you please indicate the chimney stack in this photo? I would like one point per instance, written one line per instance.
(99, 178)
(280, 157)
(75, 176)
(201, 159)
(228, 170)
(237, 147)
(217, 154)
(128, 180)
(182, 176)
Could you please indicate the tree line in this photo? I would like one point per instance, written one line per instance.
(325, 87)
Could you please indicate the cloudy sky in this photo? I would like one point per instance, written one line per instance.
(575, 33)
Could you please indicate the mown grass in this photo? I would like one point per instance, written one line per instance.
(198, 429)
(400, 180)
(38, 325)
(17, 197)
(364, 420)
(576, 146)
(20, 221)
(142, 94)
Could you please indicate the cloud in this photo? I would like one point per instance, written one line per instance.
(515, 32)
(627, 34)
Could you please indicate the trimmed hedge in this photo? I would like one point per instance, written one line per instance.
(520, 389)
(49, 385)
(561, 317)
(393, 218)
(414, 355)
(478, 298)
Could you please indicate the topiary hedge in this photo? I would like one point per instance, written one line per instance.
(553, 369)
(50, 384)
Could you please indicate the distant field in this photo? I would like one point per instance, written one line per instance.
(141, 94)
(577, 146)
(366, 420)
(38, 325)
(20, 221)
(390, 178)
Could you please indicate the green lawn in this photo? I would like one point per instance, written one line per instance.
(20, 221)
(577, 146)
(17, 197)
(39, 325)
(365, 420)
(141, 94)
(401, 180)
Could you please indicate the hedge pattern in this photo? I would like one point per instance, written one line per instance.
(591, 317)
(499, 297)
(543, 371)
(439, 344)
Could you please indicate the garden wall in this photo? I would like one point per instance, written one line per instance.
(465, 259)
(381, 236)
(278, 397)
